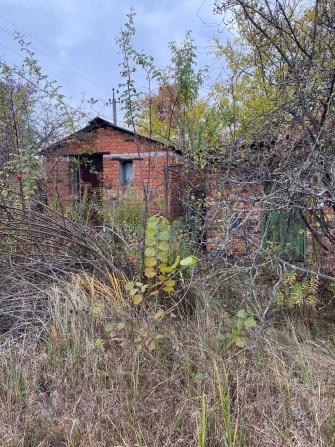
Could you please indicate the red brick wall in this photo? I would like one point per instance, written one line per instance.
(234, 220)
(234, 214)
(317, 254)
(149, 165)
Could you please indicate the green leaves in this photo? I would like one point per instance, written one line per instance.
(109, 327)
(240, 341)
(249, 323)
(237, 336)
(153, 222)
(129, 285)
(150, 251)
(242, 313)
(170, 282)
(150, 231)
(112, 329)
(160, 275)
(150, 241)
(164, 236)
(190, 260)
(151, 261)
(163, 256)
(163, 246)
(156, 244)
(137, 299)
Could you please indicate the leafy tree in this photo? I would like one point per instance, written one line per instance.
(247, 100)
(192, 128)
(281, 97)
(132, 61)
(178, 114)
(33, 115)
(282, 64)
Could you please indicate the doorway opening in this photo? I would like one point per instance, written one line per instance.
(87, 174)
(87, 184)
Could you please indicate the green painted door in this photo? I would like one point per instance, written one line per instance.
(284, 234)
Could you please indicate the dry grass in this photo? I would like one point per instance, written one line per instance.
(76, 385)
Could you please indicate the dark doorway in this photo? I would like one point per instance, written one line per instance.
(87, 186)
(87, 174)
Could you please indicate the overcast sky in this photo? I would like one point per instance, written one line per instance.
(74, 40)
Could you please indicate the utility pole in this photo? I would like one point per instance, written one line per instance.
(114, 110)
(113, 103)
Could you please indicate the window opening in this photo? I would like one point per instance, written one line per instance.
(126, 172)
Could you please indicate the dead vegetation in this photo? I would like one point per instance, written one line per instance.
(87, 378)
(82, 366)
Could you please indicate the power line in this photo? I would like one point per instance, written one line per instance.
(61, 55)
(40, 89)
(55, 74)
(83, 114)
(62, 65)
(59, 76)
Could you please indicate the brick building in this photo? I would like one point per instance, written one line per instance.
(104, 155)
(251, 211)
(235, 212)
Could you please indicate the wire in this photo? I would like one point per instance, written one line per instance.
(58, 76)
(39, 88)
(62, 65)
(55, 74)
(55, 51)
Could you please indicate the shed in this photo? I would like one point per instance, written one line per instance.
(104, 156)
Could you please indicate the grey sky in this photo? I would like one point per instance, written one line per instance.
(83, 32)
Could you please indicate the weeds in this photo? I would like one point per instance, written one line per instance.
(78, 385)
(232, 430)
(201, 425)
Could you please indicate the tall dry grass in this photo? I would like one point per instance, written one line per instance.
(88, 379)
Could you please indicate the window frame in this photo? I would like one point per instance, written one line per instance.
(123, 175)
